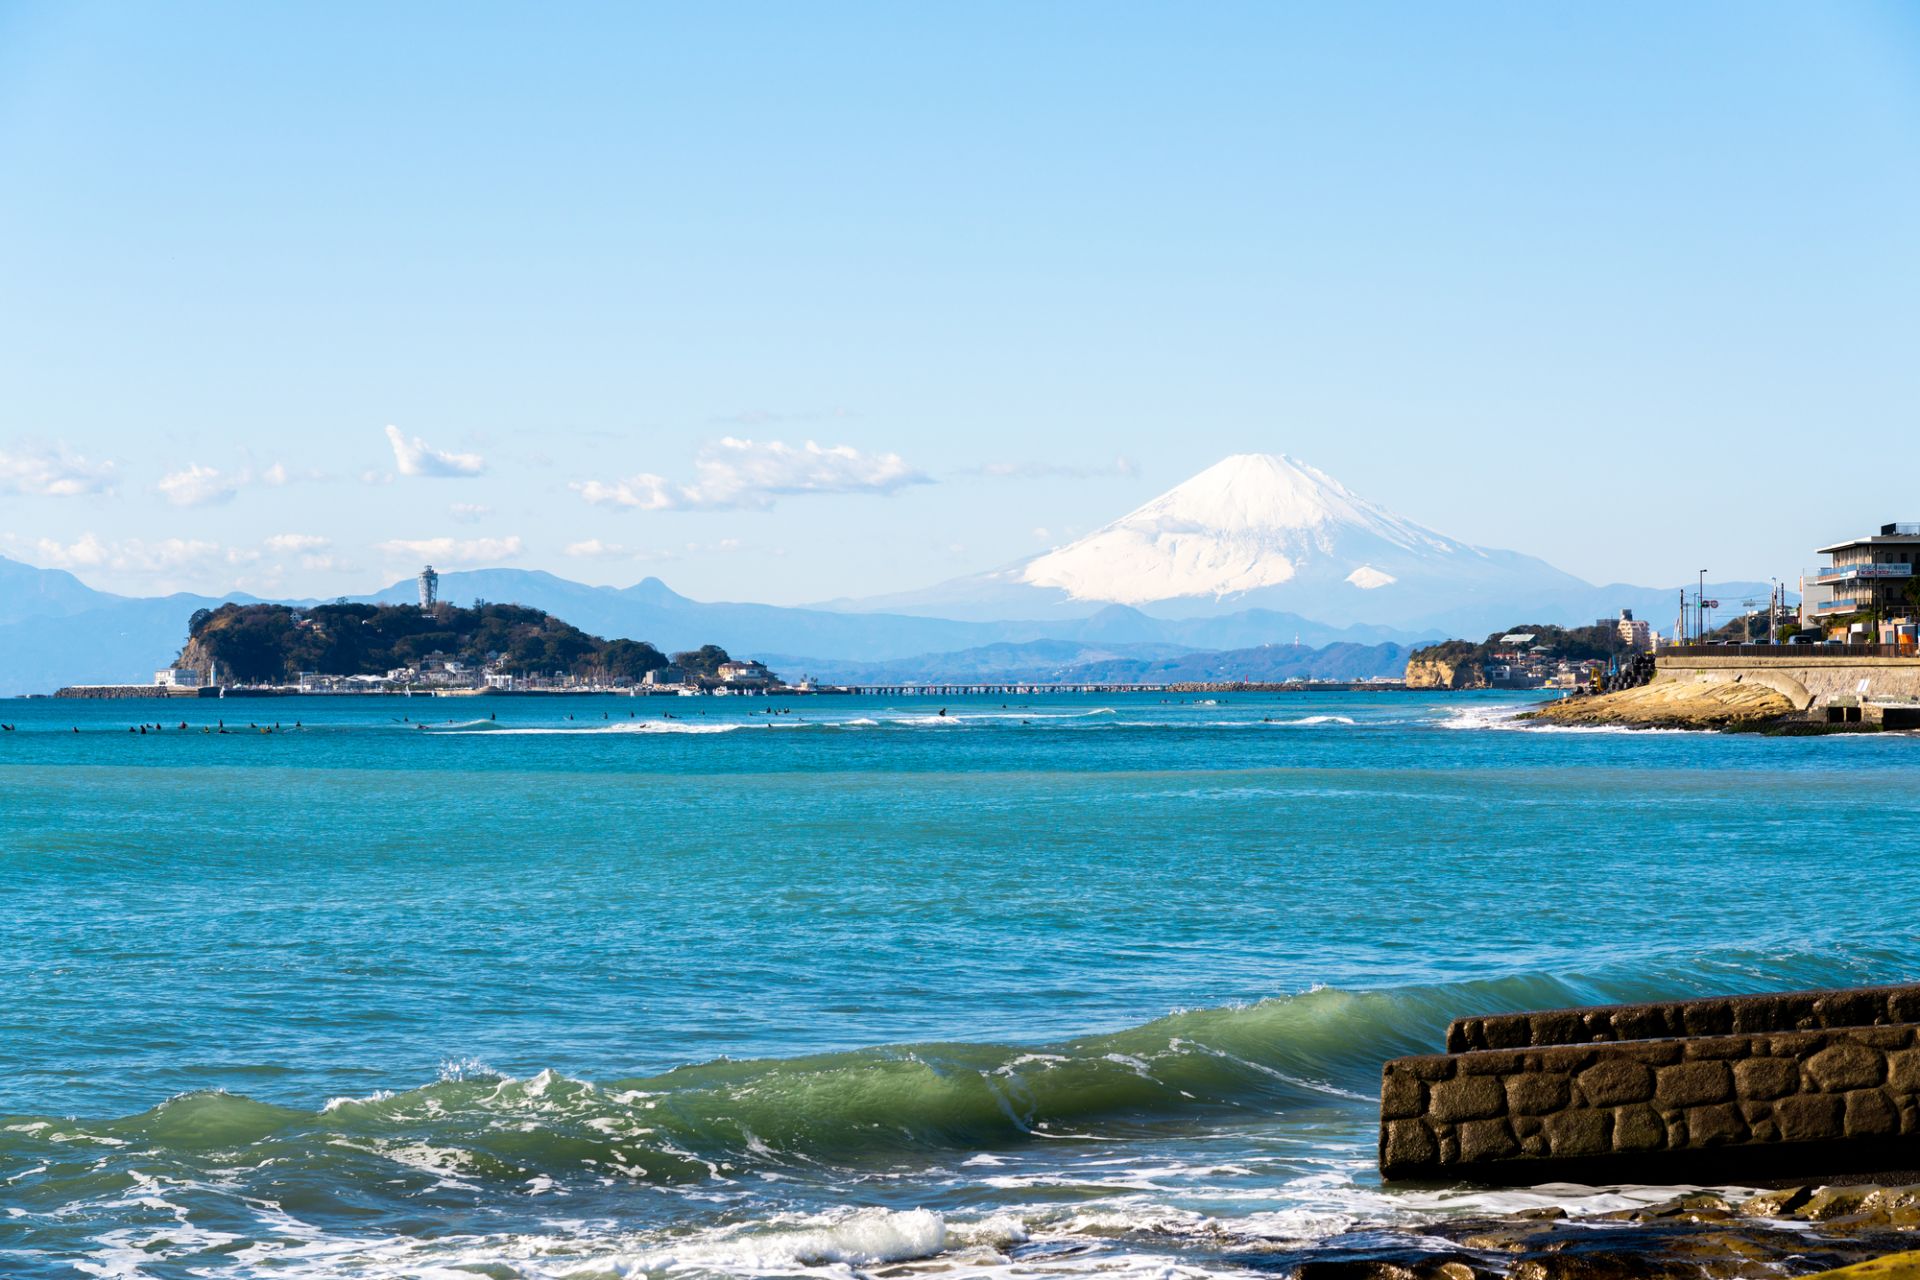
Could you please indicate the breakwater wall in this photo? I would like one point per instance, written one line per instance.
(134, 691)
(1795, 1087)
(1808, 681)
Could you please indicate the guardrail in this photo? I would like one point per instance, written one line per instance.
(1821, 650)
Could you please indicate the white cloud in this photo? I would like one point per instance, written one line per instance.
(469, 512)
(275, 475)
(738, 473)
(453, 550)
(415, 457)
(594, 549)
(198, 486)
(52, 472)
(90, 552)
(287, 543)
(646, 492)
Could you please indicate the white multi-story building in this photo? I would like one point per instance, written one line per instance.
(1634, 633)
(1869, 574)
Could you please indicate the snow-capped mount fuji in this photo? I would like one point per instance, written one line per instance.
(1266, 531)
(1253, 521)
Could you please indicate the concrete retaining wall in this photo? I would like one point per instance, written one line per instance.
(1715, 1090)
(1805, 681)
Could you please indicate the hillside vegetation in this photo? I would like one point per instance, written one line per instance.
(1466, 661)
(270, 642)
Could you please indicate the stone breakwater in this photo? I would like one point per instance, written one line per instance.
(1758, 1089)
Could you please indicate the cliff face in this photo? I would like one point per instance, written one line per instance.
(1438, 673)
(194, 656)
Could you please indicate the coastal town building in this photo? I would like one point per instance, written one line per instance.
(1871, 575)
(1635, 634)
(745, 674)
(180, 678)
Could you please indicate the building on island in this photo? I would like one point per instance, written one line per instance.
(429, 587)
(179, 678)
(750, 675)
(666, 675)
(1871, 575)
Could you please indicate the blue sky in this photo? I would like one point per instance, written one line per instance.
(1631, 287)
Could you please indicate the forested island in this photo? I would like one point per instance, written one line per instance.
(1536, 647)
(267, 643)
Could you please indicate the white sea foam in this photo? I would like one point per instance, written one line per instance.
(969, 717)
(1506, 716)
(1500, 716)
(629, 726)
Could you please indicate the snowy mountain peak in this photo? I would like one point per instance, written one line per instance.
(1250, 521)
(1264, 491)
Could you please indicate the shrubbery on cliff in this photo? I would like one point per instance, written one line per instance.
(1574, 644)
(268, 642)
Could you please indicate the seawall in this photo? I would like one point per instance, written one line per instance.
(1760, 1089)
(133, 691)
(1808, 682)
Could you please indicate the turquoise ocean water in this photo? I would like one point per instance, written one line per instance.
(1060, 985)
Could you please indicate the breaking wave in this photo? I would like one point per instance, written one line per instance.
(1317, 1049)
(772, 1167)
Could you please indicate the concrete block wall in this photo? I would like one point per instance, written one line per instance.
(1720, 1015)
(1728, 1089)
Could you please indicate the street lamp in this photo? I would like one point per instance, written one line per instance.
(1700, 608)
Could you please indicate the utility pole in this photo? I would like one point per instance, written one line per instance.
(1700, 608)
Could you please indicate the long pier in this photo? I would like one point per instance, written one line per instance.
(942, 689)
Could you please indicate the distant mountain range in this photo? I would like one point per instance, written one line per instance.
(1267, 533)
(56, 631)
(1257, 552)
(1070, 662)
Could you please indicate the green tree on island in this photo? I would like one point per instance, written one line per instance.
(267, 642)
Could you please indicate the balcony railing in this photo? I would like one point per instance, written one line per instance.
(1858, 572)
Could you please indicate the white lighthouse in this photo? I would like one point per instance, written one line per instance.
(429, 587)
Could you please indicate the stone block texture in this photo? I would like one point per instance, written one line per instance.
(1719, 1016)
(1640, 1084)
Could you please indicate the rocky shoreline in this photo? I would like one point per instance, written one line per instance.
(1682, 704)
(1696, 1235)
